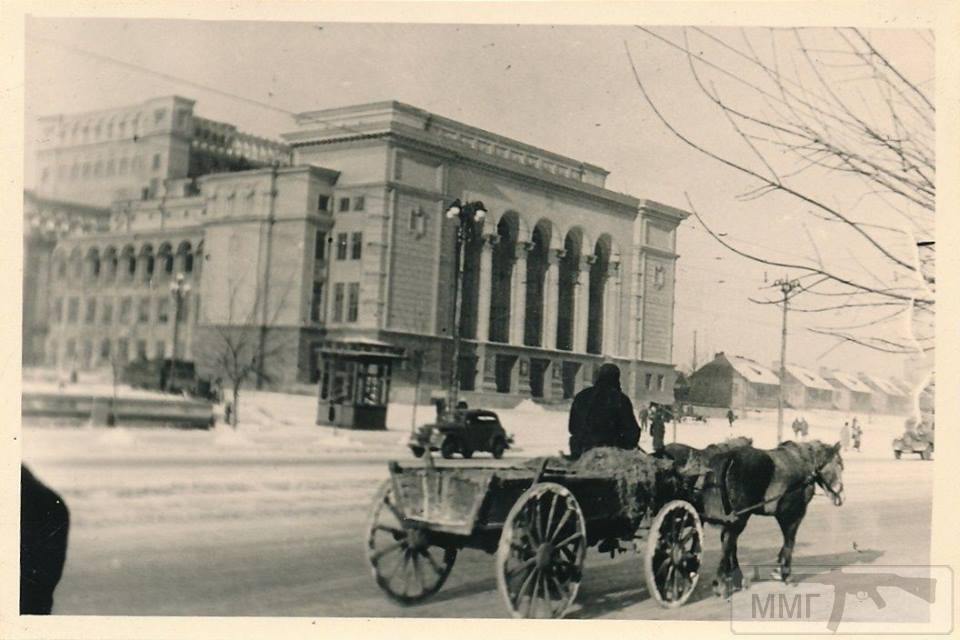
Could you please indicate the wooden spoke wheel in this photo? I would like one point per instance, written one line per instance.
(673, 554)
(404, 563)
(540, 556)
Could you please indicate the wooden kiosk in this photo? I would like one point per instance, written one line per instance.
(355, 383)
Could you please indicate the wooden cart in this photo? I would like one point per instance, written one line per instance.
(538, 522)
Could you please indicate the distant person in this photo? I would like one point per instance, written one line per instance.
(857, 433)
(602, 415)
(644, 418)
(658, 422)
(731, 416)
(845, 436)
(44, 527)
(806, 427)
(797, 427)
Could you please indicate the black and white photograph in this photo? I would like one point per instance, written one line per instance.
(419, 317)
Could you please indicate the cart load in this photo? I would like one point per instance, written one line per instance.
(538, 518)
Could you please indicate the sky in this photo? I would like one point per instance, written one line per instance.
(567, 89)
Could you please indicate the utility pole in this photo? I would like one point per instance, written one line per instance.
(264, 293)
(694, 368)
(786, 287)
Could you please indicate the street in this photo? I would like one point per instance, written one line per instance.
(281, 535)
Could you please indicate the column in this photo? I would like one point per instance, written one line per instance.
(518, 294)
(484, 287)
(581, 304)
(611, 311)
(551, 299)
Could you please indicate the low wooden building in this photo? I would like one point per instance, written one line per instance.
(804, 389)
(735, 382)
(849, 393)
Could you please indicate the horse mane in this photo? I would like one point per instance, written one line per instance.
(814, 452)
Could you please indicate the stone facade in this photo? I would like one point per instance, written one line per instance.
(351, 242)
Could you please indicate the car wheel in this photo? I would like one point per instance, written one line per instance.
(467, 454)
(417, 451)
(448, 448)
(498, 448)
(896, 454)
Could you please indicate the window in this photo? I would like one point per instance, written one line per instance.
(181, 118)
(143, 311)
(159, 349)
(73, 310)
(648, 381)
(316, 304)
(341, 246)
(86, 169)
(184, 311)
(107, 312)
(124, 166)
(418, 221)
(156, 161)
(353, 304)
(141, 349)
(58, 310)
(323, 202)
(111, 166)
(338, 302)
(358, 203)
(105, 349)
(124, 315)
(163, 306)
(87, 351)
(123, 350)
(320, 239)
(356, 246)
(71, 349)
(45, 175)
(98, 169)
(75, 171)
(344, 204)
(159, 115)
(660, 379)
(52, 352)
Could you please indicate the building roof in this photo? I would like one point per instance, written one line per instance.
(808, 378)
(882, 384)
(753, 371)
(849, 381)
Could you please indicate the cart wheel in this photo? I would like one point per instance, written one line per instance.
(405, 565)
(498, 448)
(541, 551)
(467, 454)
(896, 454)
(674, 550)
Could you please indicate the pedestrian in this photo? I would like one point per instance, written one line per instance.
(228, 412)
(731, 416)
(857, 435)
(602, 415)
(806, 427)
(658, 427)
(845, 436)
(797, 427)
(644, 418)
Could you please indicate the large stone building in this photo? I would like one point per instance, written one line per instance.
(349, 242)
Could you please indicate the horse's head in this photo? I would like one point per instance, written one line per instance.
(829, 472)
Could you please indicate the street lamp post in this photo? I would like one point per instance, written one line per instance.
(467, 214)
(179, 290)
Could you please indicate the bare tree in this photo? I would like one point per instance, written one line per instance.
(809, 110)
(235, 350)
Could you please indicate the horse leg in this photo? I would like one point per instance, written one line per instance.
(789, 521)
(729, 577)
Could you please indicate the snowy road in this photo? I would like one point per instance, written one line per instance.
(279, 533)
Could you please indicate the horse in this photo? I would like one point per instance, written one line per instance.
(777, 482)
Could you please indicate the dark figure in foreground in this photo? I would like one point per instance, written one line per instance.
(602, 415)
(44, 525)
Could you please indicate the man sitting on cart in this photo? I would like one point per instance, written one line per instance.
(602, 415)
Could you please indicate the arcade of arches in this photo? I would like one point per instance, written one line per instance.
(539, 289)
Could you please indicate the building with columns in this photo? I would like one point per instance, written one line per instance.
(350, 243)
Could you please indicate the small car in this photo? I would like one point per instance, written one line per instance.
(465, 433)
(914, 442)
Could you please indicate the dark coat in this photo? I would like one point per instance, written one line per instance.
(44, 525)
(602, 416)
